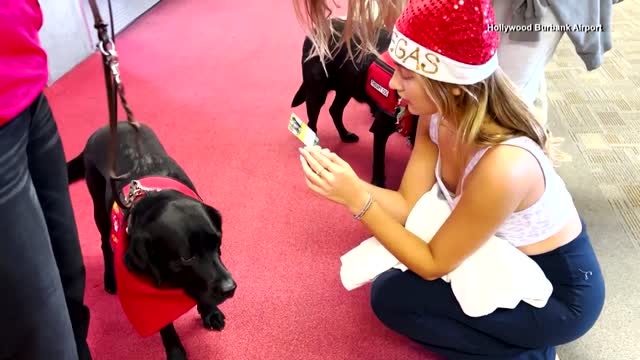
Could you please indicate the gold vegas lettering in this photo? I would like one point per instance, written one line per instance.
(415, 55)
(431, 60)
(395, 50)
(392, 43)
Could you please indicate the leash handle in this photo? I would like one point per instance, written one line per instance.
(115, 89)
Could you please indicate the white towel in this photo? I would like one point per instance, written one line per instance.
(498, 275)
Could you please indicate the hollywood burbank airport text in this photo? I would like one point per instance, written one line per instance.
(545, 28)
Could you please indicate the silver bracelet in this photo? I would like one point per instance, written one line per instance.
(365, 208)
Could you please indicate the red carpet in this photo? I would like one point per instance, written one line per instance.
(215, 80)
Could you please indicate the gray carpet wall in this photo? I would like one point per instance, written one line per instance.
(68, 34)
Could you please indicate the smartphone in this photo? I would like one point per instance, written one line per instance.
(302, 131)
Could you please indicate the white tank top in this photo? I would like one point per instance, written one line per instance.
(541, 220)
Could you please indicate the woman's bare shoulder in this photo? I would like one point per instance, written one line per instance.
(512, 166)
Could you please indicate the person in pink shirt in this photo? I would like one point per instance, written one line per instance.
(42, 310)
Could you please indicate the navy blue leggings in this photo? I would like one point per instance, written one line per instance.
(428, 312)
(42, 275)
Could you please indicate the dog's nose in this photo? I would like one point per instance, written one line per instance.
(228, 288)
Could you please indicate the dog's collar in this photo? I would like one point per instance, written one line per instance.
(136, 191)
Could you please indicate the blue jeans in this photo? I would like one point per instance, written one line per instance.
(42, 274)
(428, 312)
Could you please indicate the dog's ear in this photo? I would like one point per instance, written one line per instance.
(215, 217)
(138, 256)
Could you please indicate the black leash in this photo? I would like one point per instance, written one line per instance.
(113, 24)
(115, 88)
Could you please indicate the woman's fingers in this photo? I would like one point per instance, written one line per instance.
(315, 188)
(333, 157)
(320, 164)
(311, 176)
(311, 161)
(337, 160)
(321, 156)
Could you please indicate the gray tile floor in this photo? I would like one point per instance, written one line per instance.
(598, 114)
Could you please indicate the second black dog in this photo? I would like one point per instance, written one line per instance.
(173, 238)
(349, 79)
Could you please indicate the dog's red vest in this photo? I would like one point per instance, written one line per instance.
(378, 78)
(379, 75)
(148, 308)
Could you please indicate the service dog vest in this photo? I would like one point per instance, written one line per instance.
(378, 77)
(147, 307)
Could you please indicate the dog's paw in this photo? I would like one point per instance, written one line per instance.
(349, 137)
(214, 320)
(110, 284)
(176, 354)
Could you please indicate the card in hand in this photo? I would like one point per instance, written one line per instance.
(302, 131)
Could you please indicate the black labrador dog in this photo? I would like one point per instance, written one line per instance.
(349, 79)
(174, 239)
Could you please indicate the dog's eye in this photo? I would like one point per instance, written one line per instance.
(187, 261)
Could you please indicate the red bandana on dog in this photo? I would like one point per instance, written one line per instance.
(148, 308)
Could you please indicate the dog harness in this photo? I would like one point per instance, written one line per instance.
(147, 307)
(379, 75)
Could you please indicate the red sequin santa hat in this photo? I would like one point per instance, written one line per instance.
(447, 40)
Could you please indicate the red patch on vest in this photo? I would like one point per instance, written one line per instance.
(378, 77)
(148, 308)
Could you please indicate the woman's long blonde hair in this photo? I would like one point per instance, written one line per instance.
(494, 98)
(364, 21)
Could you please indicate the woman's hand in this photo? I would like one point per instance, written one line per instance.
(328, 175)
